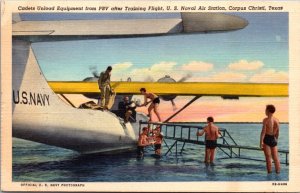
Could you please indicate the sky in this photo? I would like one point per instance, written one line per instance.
(257, 53)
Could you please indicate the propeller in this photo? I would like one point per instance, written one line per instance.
(94, 71)
(94, 78)
(149, 79)
(167, 78)
(189, 75)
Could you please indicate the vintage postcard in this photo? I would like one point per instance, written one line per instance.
(150, 96)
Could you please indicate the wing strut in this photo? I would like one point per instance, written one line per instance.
(67, 100)
(185, 106)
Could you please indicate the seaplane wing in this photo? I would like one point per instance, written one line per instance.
(187, 23)
(177, 88)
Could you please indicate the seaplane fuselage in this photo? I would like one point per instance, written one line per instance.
(40, 115)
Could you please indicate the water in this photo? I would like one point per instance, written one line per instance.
(42, 163)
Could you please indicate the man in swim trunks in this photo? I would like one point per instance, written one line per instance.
(211, 135)
(269, 137)
(154, 100)
(158, 137)
(142, 142)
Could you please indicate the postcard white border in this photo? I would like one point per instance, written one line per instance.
(293, 7)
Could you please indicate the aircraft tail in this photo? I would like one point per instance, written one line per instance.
(40, 115)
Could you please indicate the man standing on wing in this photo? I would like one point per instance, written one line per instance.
(105, 87)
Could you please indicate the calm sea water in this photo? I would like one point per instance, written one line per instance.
(42, 163)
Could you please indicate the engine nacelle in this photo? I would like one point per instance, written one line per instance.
(167, 78)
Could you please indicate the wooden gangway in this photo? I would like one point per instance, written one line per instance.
(180, 135)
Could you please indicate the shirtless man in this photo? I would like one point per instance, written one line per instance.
(211, 135)
(154, 100)
(142, 142)
(158, 137)
(268, 139)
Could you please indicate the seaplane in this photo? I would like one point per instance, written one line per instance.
(39, 114)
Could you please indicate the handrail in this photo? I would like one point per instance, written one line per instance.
(172, 134)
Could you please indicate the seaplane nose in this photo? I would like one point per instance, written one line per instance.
(211, 22)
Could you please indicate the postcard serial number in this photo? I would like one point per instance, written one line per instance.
(279, 184)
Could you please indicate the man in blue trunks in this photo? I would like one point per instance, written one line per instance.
(269, 137)
(211, 135)
(158, 138)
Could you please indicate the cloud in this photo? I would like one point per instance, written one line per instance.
(221, 77)
(266, 76)
(122, 66)
(163, 66)
(229, 77)
(270, 76)
(244, 65)
(120, 71)
(197, 66)
(155, 72)
(158, 70)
